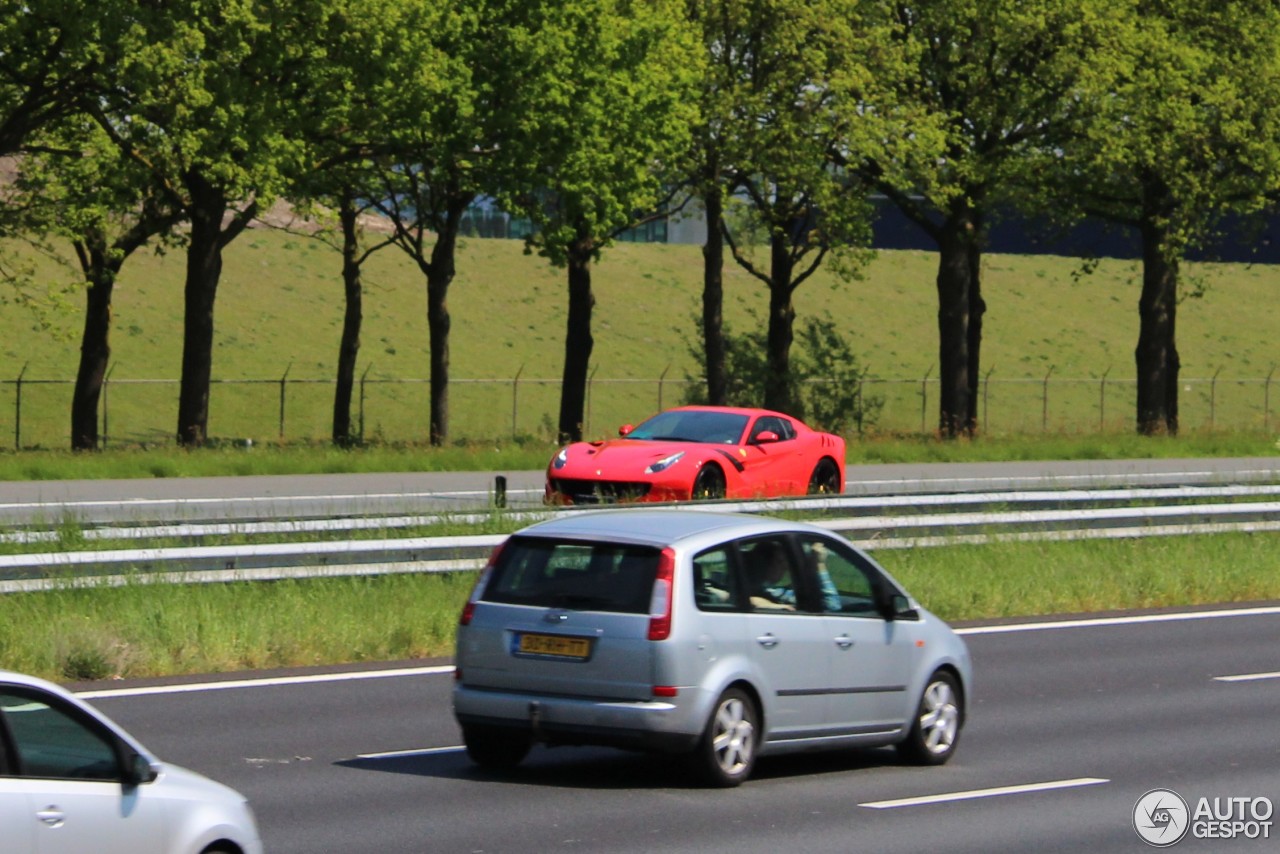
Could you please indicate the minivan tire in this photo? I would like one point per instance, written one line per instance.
(726, 753)
(935, 732)
(496, 748)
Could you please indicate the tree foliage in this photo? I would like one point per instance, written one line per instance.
(827, 381)
(992, 82)
(605, 105)
(1181, 130)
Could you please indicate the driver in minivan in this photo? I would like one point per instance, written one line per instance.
(770, 574)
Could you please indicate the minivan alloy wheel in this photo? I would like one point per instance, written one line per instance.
(728, 750)
(933, 735)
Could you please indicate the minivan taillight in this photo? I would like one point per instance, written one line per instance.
(469, 609)
(660, 602)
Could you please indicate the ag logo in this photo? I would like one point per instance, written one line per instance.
(1161, 817)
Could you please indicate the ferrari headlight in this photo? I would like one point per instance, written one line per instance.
(664, 463)
(561, 459)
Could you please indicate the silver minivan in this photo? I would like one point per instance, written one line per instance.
(716, 636)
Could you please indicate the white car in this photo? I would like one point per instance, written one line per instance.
(74, 782)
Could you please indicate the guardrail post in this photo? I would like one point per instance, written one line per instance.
(282, 382)
(17, 409)
(1213, 397)
(363, 377)
(500, 491)
(1044, 402)
(515, 409)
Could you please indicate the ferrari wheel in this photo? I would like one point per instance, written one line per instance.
(709, 483)
(825, 479)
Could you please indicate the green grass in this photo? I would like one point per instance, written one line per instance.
(145, 629)
(279, 313)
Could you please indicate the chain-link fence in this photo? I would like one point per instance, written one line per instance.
(35, 412)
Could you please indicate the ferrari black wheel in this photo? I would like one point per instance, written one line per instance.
(825, 479)
(709, 483)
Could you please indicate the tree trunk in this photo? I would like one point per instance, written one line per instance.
(204, 269)
(954, 365)
(782, 314)
(1157, 353)
(349, 349)
(578, 341)
(439, 277)
(95, 348)
(713, 300)
(977, 308)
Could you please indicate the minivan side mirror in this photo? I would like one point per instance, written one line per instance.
(898, 607)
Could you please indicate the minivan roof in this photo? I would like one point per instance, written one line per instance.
(653, 526)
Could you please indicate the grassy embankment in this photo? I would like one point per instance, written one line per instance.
(279, 313)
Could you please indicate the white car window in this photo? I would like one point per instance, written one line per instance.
(50, 743)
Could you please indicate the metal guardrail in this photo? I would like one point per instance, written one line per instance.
(914, 521)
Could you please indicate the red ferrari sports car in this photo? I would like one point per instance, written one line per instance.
(694, 452)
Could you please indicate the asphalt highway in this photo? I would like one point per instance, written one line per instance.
(1071, 725)
(313, 496)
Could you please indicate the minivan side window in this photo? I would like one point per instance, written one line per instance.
(848, 584)
(715, 584)
(773, 580)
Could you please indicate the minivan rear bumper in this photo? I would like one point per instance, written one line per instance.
(663, 726)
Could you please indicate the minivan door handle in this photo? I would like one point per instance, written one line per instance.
(767, 640)
(844, 641)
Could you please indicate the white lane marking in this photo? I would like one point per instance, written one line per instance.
(448, 668)
(1138, 619)
(974, 794)
(265, 683)
(399, 754)
(1248, 677)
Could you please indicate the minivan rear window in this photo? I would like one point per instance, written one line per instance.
(575, 574)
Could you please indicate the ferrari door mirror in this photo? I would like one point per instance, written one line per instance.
(764, 437)
(625, 429)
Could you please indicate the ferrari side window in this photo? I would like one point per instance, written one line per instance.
(780, 427)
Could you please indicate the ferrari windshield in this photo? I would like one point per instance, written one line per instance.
(693, 425)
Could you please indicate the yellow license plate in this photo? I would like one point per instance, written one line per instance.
(557, 645)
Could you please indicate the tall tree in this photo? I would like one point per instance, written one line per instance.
(360, 66)
(801, 70)
(606, 87)
(204, 97)
(75, 184)
(1186, 132)
(994, 81)
(436, 138)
